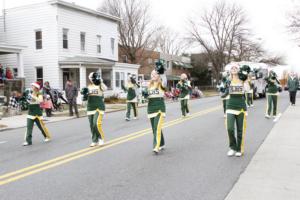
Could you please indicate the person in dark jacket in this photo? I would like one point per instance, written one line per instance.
(293, 84)
(47, 91)
(71, 94)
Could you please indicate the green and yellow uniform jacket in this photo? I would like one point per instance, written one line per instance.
(184, 87)
(131, 94)
(272, 87)
(236, 103)
(293, 84)
(34, 109)
(155, 94)
(95, 101)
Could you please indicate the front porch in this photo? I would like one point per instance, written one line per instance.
(114, 74)
(6, 49)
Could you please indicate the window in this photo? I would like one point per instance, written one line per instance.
(39, 74)
(38, 39)
(122, 78)
(15, 72)
(112, 45)
(150, 60)
(82, 41)
(65, 38)
(124, 58)
(117, 79)
(98, 43)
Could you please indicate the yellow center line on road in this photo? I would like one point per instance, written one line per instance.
(22, 173)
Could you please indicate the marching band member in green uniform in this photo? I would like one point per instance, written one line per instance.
(184, 85)
(273, 89)
(249, 91)
(224, 90)
(94, 94)
(236, 110)
(156, 104)
(35, 114)
(132, 100)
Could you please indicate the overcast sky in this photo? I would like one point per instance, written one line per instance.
(267, 18)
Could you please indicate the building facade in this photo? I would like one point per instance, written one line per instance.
(65, 41)
(175, 65)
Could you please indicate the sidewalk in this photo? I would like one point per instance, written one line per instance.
(274, 171)
(19, 121)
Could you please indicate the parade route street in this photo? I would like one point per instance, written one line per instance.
(193, 166)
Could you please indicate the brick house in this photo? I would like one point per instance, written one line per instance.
(175, 65)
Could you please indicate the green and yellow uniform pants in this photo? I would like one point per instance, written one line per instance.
(249, 98)
(184, 106)
(158, 137)
(95, 121)
(236, 141)
(134, 107)
(272, 101)
(40, 124)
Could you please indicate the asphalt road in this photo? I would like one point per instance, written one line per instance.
(193, 166)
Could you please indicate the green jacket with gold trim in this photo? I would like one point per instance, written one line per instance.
(34, 108)
(131, 94)
(184, 87)
(95, 99)
(236, 102)
(155, 94)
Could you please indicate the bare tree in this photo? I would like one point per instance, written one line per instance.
(136, 31)
(246, 49)
(294, 22)
(274, 60)
(217, 30)
(170, 42)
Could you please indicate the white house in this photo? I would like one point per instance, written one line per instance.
(65, 41)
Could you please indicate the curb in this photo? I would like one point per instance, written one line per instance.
(84, 115)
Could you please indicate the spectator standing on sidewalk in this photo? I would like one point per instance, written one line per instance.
(71, 94)
(47, 105)
(293, 84)
(47, 91)
(13, 104)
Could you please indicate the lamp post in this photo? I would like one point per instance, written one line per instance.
(210, 65)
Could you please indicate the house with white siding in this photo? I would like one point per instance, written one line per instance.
(65, 41)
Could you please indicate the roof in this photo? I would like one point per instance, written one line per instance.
(7, 48)
(184, 65)
(85, 60)
(173, 77)
(84, 9)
